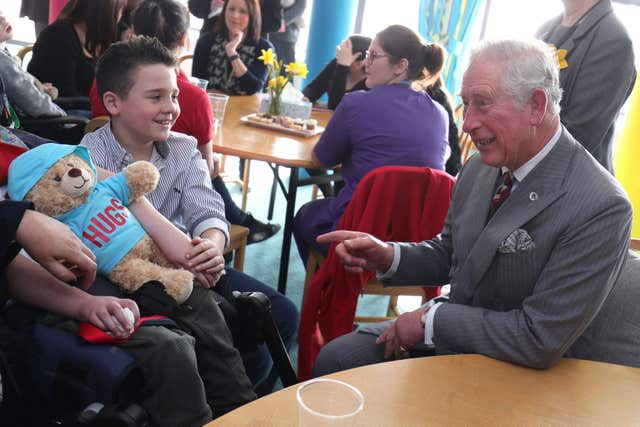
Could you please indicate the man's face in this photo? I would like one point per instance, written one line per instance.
(151, 108)
(497, 124)
(6, 30)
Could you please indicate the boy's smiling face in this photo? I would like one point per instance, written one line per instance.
(149, 110)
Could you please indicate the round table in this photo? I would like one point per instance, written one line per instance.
(472, 390)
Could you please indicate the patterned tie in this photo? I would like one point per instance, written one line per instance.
(502, 192)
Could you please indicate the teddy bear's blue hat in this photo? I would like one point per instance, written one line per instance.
(27, 169)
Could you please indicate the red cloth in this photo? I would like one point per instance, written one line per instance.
(394, 203)
(95, 335)
(8, 152)
(196, 116)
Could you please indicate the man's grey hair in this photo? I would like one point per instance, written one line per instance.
(528, 64)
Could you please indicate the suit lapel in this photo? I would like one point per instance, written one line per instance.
(541, 187)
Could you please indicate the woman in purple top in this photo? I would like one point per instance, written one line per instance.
(395, 123)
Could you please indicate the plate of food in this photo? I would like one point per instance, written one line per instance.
(302, 127)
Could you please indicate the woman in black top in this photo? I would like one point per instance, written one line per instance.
(65, 53)
(228, 56)
(345, 73)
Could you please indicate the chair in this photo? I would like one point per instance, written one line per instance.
(635, 244)
(238, 245)
(67, 374)
(466, 144)
(22, 53)
(95, 124)
(184, 63)
(373, 287)
(396, 203)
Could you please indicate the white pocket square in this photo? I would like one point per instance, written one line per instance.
(518, 241)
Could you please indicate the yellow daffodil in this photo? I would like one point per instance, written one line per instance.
(297, 69)
(282, 81)
(272, 83)
(268, 57)
(561, 57)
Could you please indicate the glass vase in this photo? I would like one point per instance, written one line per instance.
(274, 104)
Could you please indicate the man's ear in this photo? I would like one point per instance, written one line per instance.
(538, 104)
(111, 102)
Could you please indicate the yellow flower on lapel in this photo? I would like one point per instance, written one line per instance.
(561, 56)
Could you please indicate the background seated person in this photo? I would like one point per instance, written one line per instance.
(168, 21)
(25, 92)
(534, 239)
(65, 52)
(137, 84)
(392, 124)
(343, 74)
(228, 56)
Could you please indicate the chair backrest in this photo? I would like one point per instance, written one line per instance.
(466, 144)
(185, 62)
(397, 203)
(95, 123)
(22, 54)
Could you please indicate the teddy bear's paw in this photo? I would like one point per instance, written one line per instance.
(142, 178)
(178, 284)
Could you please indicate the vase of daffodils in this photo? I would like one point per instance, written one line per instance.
(278, 80)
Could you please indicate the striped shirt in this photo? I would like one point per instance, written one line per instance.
(184, 194)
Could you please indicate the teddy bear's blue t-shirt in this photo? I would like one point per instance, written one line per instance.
(104, 223)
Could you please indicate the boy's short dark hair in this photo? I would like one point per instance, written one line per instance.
(114, 72)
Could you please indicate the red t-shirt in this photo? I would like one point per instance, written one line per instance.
(196, 116)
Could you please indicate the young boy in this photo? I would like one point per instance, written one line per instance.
(138, 84)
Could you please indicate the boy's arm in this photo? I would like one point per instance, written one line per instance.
(173, 243)
(30, 283)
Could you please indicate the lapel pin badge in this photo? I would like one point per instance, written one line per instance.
(533, 196)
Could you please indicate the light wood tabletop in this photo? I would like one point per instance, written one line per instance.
(471, 390)
(250, 142)
(277, 147)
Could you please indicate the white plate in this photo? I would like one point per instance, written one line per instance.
(280, 128)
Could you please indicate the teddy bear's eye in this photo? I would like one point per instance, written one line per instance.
(57, 178)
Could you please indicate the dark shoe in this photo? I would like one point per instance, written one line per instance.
(258, 230)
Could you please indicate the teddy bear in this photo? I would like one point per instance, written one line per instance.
(60, 181)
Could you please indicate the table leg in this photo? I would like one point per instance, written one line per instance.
(288, 229)
(272, 199)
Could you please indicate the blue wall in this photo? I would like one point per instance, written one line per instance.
(331, 22)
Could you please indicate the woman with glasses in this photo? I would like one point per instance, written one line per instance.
(394, 123)
(343, 74)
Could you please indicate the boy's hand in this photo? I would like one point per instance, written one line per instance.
(107, 314)
(206, 261)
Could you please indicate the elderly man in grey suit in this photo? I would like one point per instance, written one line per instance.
(597, 71)
(534, 239)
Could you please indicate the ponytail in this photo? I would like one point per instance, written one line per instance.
(425, 59)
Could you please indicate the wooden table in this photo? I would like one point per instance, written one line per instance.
(472, 390)
(292, 151)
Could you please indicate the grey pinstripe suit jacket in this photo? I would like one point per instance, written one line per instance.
(526, 307)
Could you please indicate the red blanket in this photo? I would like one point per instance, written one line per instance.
(394, 203)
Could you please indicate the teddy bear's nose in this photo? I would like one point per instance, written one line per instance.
(75, 172)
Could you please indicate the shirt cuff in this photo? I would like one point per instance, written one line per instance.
(386, 275)
(213, 223)
(428, 325)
